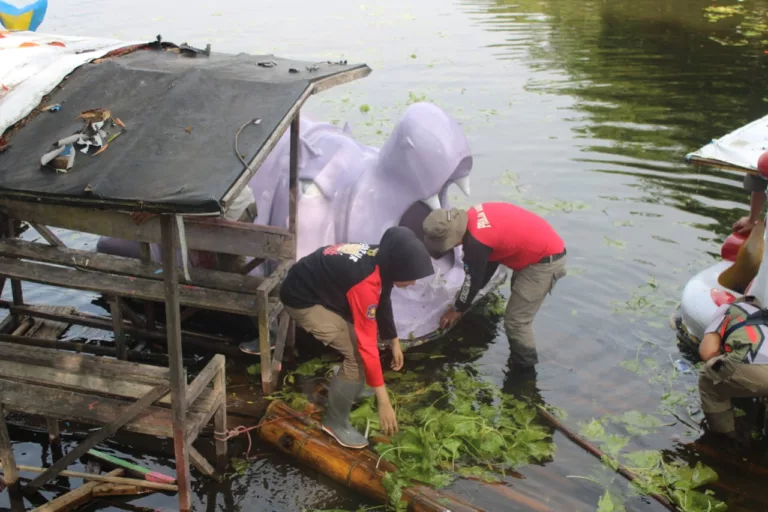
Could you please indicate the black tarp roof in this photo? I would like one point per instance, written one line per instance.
(181, 114)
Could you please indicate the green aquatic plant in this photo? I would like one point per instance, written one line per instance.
(459, 425)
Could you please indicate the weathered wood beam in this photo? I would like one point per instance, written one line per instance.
(277, 357)
(178, 381)
(205, 377)
(205, 234)
(73, 499)
(220, 418)
(210, 342)
(85, 348)
(115, 306)
(54, 435)
(120, 265)
(91, 408)
(125, 286)
(107, 431)
(6, 452)
(16, 291)
(200, 462)
(48, 235)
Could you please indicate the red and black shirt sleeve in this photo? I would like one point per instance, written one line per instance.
(363, 301)
(476, 256)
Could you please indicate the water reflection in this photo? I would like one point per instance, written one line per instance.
(652, 80)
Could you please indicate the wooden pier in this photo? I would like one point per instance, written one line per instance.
(40, 375)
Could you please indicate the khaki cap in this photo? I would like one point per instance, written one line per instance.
(444, 229)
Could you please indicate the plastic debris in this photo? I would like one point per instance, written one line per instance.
(683, 366)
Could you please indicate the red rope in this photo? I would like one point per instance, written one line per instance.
(241, 429)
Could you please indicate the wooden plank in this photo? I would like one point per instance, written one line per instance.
(88, 260)
(193, 428)
(6, 452)
(91, 409)
(115, 306)
(125, 286)
(54, 435)
(211, 342)
(214, 366)
(106, 431)
(178, 380)
(159, 486)
(340, 78)
(16, 290)
(220, 418)
(48, 235)
(76, 363)
(293, 180)
(103, 490)
(276, 277)
(277, 357)
(200, 462)
(205, 234)
(73, 499)
(50, 329)
(82, 348)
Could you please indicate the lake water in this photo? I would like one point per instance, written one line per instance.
(581, 111)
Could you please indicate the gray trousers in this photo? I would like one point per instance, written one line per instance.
(530, 287)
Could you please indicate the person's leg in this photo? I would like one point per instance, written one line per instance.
(732, 380)
(529, 288)
(333, 331)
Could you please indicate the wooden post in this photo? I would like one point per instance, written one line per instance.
(115, 305)
(149, 307)
(264, 345)
(54, 435)
(178, 376)
(220, 418)
(293, 212)
(6, 453)
(18, 296)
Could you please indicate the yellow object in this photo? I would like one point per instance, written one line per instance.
(17, 21)
(738, 276)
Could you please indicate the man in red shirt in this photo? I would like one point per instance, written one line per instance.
(340, 294)
(501, 233)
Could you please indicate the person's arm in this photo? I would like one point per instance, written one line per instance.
(757, 186)
(711, 343)
(476, 257)
(710, 346)
(386, 322)
(363, 301)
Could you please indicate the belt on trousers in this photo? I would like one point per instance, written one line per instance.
(552, 258)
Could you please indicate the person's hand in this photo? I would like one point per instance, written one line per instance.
(744, 225)
(449, 319)
(397, 356)
(139, 218)
(387, 419)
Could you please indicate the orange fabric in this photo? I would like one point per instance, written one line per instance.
(363, 300)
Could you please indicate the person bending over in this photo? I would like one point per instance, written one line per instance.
(340, 294)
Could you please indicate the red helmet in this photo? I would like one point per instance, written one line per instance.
(762, 165)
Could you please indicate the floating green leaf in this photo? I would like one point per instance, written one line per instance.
(254, 369)
(610, 503)
(310, 368)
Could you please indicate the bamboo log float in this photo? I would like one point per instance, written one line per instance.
(281, 429)
(620, 469)
(157, 486)
(370, 459)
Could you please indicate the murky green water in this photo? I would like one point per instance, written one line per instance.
(582, 111)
